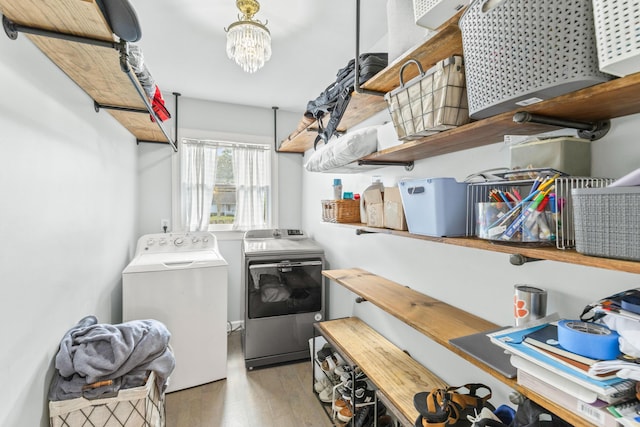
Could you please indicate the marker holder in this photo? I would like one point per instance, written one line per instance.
(505, 223)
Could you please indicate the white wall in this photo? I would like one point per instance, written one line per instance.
(480, 282)
(67, 221)
(204, 119)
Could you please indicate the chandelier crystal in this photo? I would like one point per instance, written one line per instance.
(248, 39)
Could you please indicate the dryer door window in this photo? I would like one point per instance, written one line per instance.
(285, 287)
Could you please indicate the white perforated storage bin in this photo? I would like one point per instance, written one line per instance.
(617, 25)
(519, 52)
(433, 13)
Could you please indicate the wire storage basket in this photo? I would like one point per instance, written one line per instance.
(617, 34)
(142, 406)
(431, 102)
(565, 228)
(607, 223)
(345, 210)
(521, 52)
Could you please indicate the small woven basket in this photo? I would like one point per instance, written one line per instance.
(346, 210)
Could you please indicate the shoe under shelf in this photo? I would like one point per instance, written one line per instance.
(396, 375)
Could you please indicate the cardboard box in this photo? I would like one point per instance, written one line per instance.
(393, 211)
(374, 206)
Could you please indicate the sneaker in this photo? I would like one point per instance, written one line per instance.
(338, 404)
(362, 416)
(345, 414)
(326, 395)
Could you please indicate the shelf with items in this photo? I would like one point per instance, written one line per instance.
(569, 256)
(361, 106)
(76, 37)
(444, 43)
(395, 375)
(435, 319)
(616, 98)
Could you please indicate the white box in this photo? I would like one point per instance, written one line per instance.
(435, 206)
(433, 13)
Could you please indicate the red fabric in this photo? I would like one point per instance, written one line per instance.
(158, 106)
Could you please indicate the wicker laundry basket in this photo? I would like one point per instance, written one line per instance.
(346, 210)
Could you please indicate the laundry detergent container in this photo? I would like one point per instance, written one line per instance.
(434, 206)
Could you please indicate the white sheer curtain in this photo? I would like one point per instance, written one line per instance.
(251, 171)
(198, 172)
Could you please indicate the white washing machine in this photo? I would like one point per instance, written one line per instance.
(180, 279)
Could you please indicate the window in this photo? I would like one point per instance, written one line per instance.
(225, 185)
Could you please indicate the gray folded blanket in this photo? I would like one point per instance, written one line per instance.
(91, 352)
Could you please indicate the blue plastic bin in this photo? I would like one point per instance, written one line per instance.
(435, 206)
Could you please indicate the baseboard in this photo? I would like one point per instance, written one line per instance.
(235, 325)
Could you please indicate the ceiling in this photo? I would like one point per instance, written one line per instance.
(184, 45)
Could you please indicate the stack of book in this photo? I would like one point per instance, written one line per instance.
(563, 376)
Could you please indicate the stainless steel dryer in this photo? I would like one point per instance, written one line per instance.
(284, 295)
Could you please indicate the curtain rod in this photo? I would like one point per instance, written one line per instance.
(225, 143)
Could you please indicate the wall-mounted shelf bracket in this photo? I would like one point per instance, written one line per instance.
(592, 131)
(97, 106)
(360, 231)
(360, 300)
(12, 29)
(518, 259)
(407, 165)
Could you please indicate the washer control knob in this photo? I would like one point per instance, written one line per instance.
(195, 240)
(179, 241)
(162, 242)
(151, 242)
(205, 240)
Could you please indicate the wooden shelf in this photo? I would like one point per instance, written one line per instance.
(569, 256)
(609, 100)
(395, 374)
(96, 69)
(434, 319)
(361, 106)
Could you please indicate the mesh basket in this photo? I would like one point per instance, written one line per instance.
(432, 13)
(431, 102)
(616, 23)
(521, 52)
(607, 223)
(345, 210)
(565, 230)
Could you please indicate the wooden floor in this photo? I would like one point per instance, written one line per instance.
(279, 396)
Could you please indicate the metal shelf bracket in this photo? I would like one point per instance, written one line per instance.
(408, 166)
(591, 131)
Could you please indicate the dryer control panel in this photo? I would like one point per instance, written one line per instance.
(172, 242)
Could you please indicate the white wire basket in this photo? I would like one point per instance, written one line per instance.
(431, 102)
(618, 35)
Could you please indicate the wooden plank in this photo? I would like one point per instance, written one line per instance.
(361, 106)
(95, 69)
(77, 17)
(431, 317)
(398, 376)
(140, 125)
(395, 299)
(549, 253)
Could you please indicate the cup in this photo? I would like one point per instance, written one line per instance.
(529, 303)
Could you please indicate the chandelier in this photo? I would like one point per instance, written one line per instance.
(248, 39)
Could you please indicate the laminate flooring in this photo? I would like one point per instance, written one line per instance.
(278, 396)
